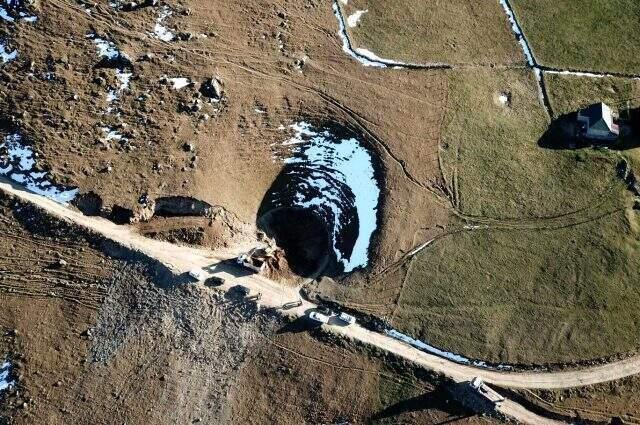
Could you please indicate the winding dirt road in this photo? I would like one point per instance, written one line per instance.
(180, 260)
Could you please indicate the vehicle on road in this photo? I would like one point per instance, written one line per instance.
(485, 391)
(347, 318)
(319, 317)
(214, 281)
(197, 274)
(291, 304)
(256, 259)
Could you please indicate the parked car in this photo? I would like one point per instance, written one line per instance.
(214, 281)
(318, 317)
(197, 274)
(347, 318)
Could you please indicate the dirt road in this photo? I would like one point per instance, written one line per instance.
(180, 260)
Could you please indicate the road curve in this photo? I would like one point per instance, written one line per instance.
(181, 259)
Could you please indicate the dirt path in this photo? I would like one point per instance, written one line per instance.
(180, 259)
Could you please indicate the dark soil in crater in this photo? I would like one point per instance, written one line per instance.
(303, 237)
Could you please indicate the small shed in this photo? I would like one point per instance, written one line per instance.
(597, 122)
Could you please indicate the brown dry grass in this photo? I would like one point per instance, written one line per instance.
(458, 32)
(293, 379)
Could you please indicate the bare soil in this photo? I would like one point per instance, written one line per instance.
(102, 337)
(603, 403)
(231, 163)
(336, 384)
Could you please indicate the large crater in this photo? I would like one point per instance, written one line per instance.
(322, 209)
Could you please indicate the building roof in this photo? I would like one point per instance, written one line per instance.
(600, 117)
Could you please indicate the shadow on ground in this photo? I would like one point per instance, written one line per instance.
(438, 399)
(562, 134)
(301, 324)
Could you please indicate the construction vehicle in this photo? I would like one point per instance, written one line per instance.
(485, 391)
(256, 259)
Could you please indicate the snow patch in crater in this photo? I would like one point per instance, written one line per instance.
(344, 160)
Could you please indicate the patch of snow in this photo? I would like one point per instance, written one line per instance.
(368, 58)
(260, 111)
(5, 369)
(420, 248)
(110, 134)
(346, 44)
(179, 82)
(124, 78)
(586, 74)
(422, 346)
(106, 49)
(4, 15)
(159, 30)
(504, 99)
(30, 19)
(15, 6)
(517, 31)
(6, 55)
(354, 18)
(344, 160)
(18, 164)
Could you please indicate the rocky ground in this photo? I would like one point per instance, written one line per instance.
(91, 337)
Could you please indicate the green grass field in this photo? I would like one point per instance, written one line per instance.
(597, 35)
(457, 31)
(493, 156)
(525, 296)
(556, 275)
(569, 93)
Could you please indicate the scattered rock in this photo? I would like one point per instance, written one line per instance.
(184, 36)
(212, 88)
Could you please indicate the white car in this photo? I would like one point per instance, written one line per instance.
(347, 318)
(197, 274)
(319, 317)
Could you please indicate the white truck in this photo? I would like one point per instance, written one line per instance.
(318, 317)
(197, 274)
(347, 318)
(486, 392)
